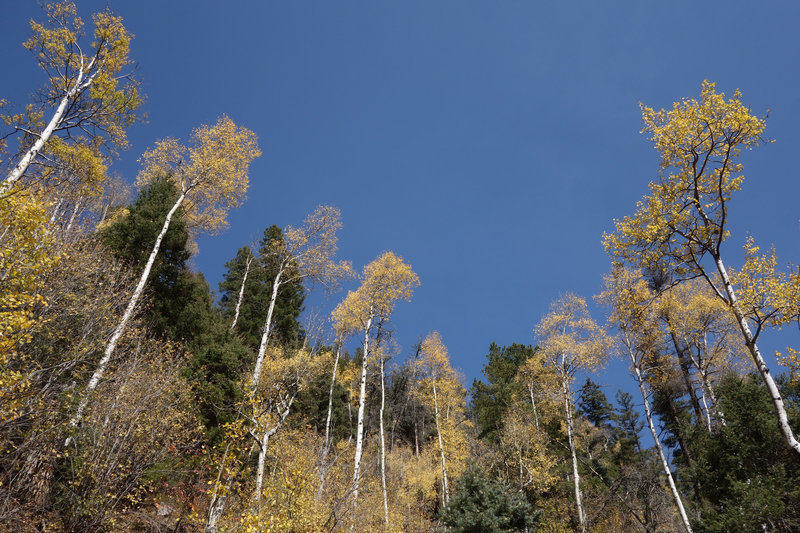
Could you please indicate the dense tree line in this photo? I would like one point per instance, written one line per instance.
(133, 398)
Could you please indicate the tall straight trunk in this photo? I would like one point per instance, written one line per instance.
(360, 425)
(120, 329)
(327, 442)
(445, 485)
(750, 342)
(383, 448)
(683, 362)
(649, 415)
(241, 291)
(533, 404)
(262, 348)
(575, 474)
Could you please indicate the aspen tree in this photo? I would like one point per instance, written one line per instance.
(440, 387)
(681, 225)
(571, 341)
(211, 177)
(385, 280)
(634, 316)
(89, 97)
(304, 253)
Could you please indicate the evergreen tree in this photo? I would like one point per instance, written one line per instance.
(479, 505)
(749, 477)
(131, 236)
(628, 426)
(490, 400)
(594, 405)
(257, 293)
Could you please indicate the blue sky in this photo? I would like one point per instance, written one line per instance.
(488, 143)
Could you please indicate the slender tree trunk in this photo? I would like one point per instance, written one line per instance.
(327, 442)
(683, 362)
(445, 485)
(766, 376)
(383, 447)
(360, 427)
(241, 291)
(19, 170)
(262, 348)
(262, 451)
(575, 474)
(217, 504)
(533, 404)
(649, 415)
(120, 329)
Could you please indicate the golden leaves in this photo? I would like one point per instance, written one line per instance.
(570, 339)
(386, 280)
(685, 214)
(212, 171)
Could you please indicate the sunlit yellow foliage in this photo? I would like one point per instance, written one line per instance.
(211, 172)
(767, 296)
(385, 280)
(684, 216)
(26, 255)
(89, 93)
(570, 339)
(529, 463)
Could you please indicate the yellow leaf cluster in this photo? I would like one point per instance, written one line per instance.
(385, 280)
(685, 214)
(211, 171)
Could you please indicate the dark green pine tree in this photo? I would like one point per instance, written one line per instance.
(628, 426)
(257, 294)
(749, 477)
(593, 404)
(479, 505)
(491, 400)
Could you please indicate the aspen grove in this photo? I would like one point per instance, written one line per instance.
(134, 398)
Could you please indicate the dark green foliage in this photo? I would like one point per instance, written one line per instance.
(286, 329)
(490, 400)
(594, 405)
(628, 426)
(479, 505)
(170, 288)
(749, 476)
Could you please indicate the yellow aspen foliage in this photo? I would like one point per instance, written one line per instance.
(684, 217)
(385, 281)
(212, 171)
(88, 100)
(26, 256)
(768, 297)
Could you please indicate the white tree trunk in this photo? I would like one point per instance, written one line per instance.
(649, 415)
(262, 451)
(19, 170)
(217, 504)
(262, 348)
(120, 329)
(575, 474)
(445, 485)
(383, 448)
(360, 425)
(533, 404)
(241, 292)
(766, 376)
(326, 444)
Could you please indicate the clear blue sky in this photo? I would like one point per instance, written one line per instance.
(488, 143)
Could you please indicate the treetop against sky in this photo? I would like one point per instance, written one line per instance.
(488, 144)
